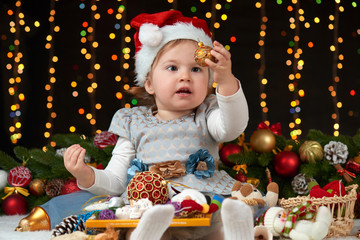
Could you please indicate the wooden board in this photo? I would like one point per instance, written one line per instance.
(132, 223)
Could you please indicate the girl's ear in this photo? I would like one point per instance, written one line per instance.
(148, 86)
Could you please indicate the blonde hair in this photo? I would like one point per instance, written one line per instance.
(146, 99)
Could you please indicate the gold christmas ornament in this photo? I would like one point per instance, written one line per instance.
(262, 140)
(37, 220)
(202, 53)
(37, 187)
(310, 151)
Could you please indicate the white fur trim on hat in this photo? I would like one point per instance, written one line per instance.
(145, 56)
(269, 219)
(150, 35)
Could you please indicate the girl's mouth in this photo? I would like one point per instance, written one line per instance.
(183, 91)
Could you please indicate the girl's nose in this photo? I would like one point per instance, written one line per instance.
(185, 76)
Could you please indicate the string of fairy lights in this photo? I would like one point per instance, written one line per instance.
(261, 56)
(337, 65)
(49, 87)
(297, 65)
(216, 12)
(17, 67)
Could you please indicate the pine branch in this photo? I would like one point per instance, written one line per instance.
(21, 153)
(66, 140)
(7, 162)
(356, 139)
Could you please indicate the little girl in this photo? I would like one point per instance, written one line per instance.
(184, 119)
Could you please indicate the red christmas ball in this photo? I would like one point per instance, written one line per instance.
(19, 176)
(69, 187)
(241, 177)
(14, 204)
(104, 139)
(228, 150)
(286, 164)
(148, 185)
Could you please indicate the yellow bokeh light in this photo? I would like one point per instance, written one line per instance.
(127, 27)
(21, 97)
(218, 6)
(263, 104)
(118, 78)
(73, 84)
(46, 134)
(264, 81)
(72, 129)
(112, 35)
(298, 121)
(97, 66)
(98, 106)
(332, 48)
(257, 56)
(301, 93)
(89, 116)
(55, 59)
(94, 85)
(336, 126)
(339, 104)
(56, 28)
(95, 44)
(90, 89)
(18, 125)
(126, 87)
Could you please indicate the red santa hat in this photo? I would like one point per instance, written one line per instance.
(153, 31)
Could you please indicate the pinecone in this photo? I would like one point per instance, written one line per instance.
(169, 169)
(68, 225)
(53, 188)
(336, 152)
(300, 184)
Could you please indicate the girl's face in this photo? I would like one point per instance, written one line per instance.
(177, 82)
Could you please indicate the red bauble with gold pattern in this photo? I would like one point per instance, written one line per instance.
(14, 204)
(19, 176)
(148, 185)
(286, 164)
(227, 150)
(69, 186)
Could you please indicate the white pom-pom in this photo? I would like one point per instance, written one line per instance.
(3, 179)
(150, 35)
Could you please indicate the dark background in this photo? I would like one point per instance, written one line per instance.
(243, 23)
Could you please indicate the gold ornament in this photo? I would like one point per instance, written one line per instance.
(37, 187)
(263, 140)
(310, 151)
(202, 53)
(37, 220)
(253, 181)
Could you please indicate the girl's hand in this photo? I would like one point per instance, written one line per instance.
(74, 162)
(223, 76)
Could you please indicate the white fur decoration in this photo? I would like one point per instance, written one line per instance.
(3, 179)
(150, 35)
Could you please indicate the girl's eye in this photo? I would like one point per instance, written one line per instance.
(196, 69)
(172, 68)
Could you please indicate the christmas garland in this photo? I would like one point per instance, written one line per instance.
(291, 164)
